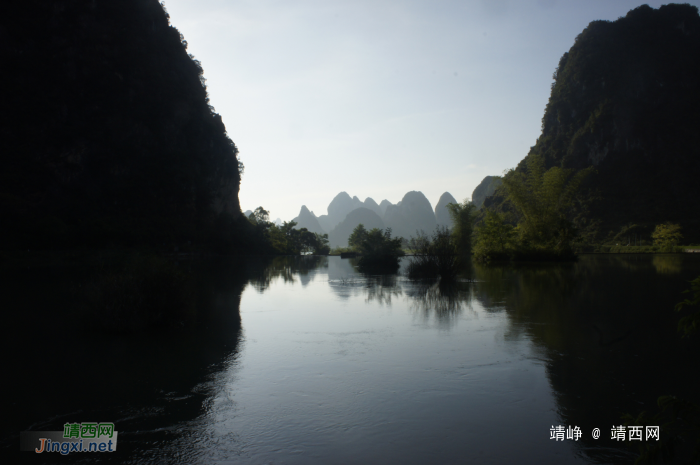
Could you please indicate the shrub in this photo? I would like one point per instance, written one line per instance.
(666, 236)
(433, 257)
(380, 253)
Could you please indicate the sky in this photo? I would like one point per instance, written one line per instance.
(378, 98)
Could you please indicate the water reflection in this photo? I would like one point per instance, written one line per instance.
(668, 264)
(607, 333)
(382, 288)
(263, 272)
(147, 384)
(443, 300)
(341, 371)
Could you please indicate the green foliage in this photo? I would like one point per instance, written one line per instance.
(320, 245)
(667, 236)
(357, 237)
(380, 252)
(286, 239)
(495, 238)
(433, 256)
(259, 216)
(543, 199)
(463, 223)
(622, 101)
(339, 250)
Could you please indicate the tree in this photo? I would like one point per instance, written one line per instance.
(321, 246)
(433, 256)
(544, 199)
(359, 234)
(260, 215)
(463, 219)
(495, 238)
(379, 251)
(667, 235)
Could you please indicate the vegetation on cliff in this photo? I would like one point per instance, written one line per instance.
(108, 136)
(626, 100)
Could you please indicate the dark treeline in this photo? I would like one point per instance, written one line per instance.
(626, 102)
(108, 137)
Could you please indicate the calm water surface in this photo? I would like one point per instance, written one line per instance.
(327, 365)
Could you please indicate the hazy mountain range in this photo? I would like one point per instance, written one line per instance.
(414, 212)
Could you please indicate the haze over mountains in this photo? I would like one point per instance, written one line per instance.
(413, 212)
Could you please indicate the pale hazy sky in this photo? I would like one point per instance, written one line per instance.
(378, 98)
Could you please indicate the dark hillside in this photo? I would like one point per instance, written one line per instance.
(626, 99)
(107, 135)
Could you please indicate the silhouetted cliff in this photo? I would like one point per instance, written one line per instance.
(626, 100)
(107, 133)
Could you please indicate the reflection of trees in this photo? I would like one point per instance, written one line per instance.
(265, 270)
(444, 299)
(382, 288)
(668, 264)
(154, 382)
(606, 330)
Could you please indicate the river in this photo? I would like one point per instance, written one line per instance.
(327, 365)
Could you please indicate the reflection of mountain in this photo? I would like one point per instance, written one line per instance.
(153, 383)
(606, 328)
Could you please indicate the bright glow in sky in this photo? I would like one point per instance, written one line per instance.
(379, 97)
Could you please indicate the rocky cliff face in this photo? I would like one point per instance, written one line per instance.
(106, 130)
(442, 216)
(626, 100)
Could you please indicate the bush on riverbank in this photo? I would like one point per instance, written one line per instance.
(380, 253)
(434, 256)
